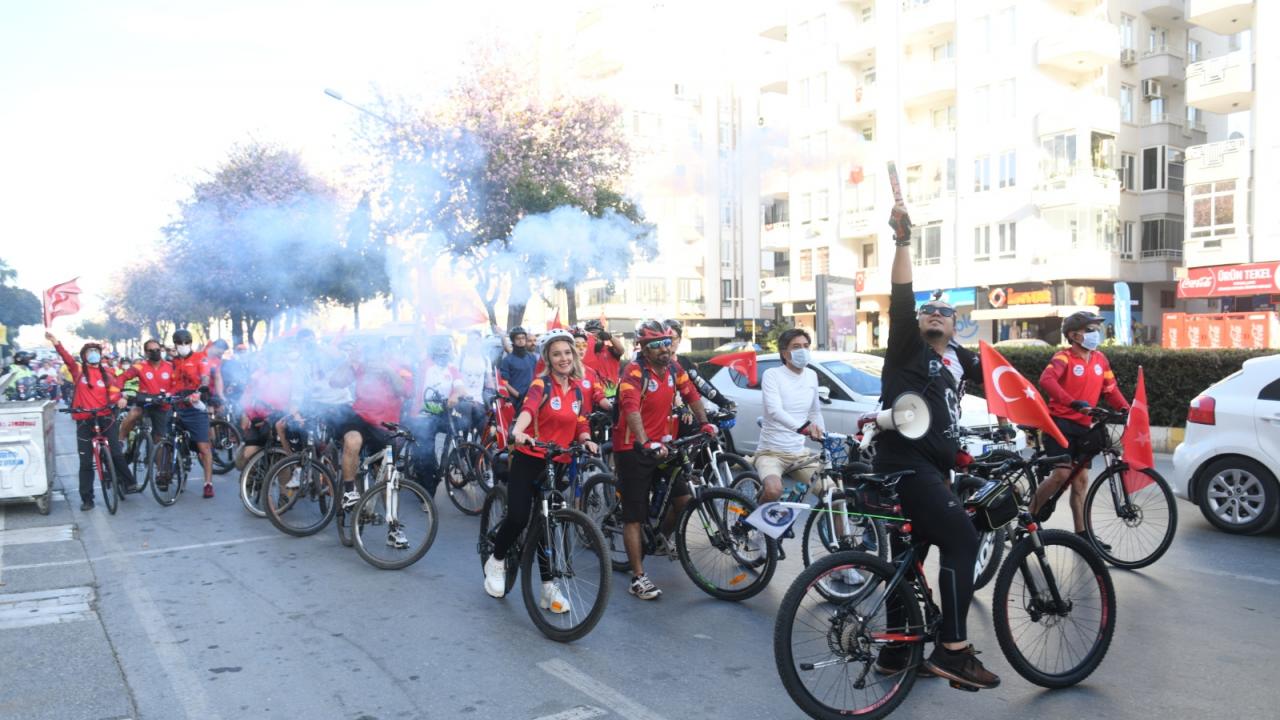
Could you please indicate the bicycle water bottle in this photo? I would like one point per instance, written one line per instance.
(659, 494)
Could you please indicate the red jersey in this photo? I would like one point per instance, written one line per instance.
(153, 378)
(1070, 377)
(380, 391)
(600, 357)
(561, 419)
(654, 403)
(268, 392)
(189, 372)
(593, 387)
(96, 389)
(215, 366)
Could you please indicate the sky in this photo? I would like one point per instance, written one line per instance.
(110, 111)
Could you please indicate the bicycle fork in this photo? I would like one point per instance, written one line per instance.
(1042, 583)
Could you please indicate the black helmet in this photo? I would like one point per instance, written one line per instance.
(674, 325)
(517, 330)
(22, 357)
(1079, 321)
(182, 336)
(593, 326)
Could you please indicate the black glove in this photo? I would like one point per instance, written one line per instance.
(1080, 406)
(604, 336)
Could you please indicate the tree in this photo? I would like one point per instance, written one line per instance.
(18, 306)
(358, 271)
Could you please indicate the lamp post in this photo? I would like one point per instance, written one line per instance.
(338, 96)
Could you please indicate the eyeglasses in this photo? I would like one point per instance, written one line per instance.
(658, 344)
(943, 310)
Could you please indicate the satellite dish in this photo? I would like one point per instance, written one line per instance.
(909, 416)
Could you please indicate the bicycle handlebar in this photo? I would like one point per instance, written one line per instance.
(398, 430)
(1106, 415)
(574, 448)
(89, 411)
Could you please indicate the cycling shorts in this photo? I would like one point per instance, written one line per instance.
(636, 474)
(196, 423)
(790, 466)
(375, 438)
(1079, 440)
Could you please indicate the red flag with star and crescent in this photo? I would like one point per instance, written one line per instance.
(1136, 441)
(1012, 396)
(743, 363)
(61, 299)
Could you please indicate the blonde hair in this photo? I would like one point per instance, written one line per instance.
(577, 373)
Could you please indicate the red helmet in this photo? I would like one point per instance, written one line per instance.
(647, 330)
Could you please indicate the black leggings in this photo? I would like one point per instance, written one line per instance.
(938, 518)
(526, 475)
(84, 446)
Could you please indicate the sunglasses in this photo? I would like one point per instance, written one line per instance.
(657, 344)
(942, 310)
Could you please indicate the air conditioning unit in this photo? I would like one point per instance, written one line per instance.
(1151, 89)
(1128, 56)
(764, 284)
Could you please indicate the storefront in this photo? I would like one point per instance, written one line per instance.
(1240, 303)
(965, 300)
(1034, 311)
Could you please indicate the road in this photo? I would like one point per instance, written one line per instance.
(201, 611)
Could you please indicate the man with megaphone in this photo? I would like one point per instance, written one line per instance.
(919, 431)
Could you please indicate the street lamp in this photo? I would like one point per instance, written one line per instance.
(338, 96)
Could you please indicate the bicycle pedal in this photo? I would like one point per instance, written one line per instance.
(962, 686)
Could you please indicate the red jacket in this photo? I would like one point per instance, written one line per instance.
(98, 388)
(153, 379)
(1070, 377)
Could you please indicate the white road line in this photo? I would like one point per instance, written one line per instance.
(46, 534)
(598, 691)
(581, 712)
(45, 607)
(1236, 576)
(152, 551)
(1, 545)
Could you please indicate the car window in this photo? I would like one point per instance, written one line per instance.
(1271, 391)
(862, 377)
(837, 392)
(741, 380)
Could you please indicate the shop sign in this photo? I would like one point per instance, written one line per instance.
(1252, 279)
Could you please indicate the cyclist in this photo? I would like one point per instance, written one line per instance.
(646, 397)
(95, 387)
(191, 376)
(705, 388)
(1074, 381)
(214, 351)
(441, 388)
(517, 366)
(604, 353)
(591, 378)
(477, 384)
(556, 410)
(154, 376)
(792, 414)
(380, 389)
(914, 362)
(24, 378)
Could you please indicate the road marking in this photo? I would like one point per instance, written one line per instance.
(1236, 576)
(152, 551)
(596, 690)
(29, 536)
(581, 712)
(45, 607)
(1, 545)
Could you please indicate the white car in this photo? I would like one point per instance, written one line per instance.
(851, 382)
(1227, 462)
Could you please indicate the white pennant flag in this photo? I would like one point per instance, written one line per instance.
(773, 518)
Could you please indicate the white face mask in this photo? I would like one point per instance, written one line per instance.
(1091, 340)
(183, 350)
(800, 358)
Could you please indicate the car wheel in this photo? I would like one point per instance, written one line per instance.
(1239, 496)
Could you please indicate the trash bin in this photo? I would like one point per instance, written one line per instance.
(27, 452)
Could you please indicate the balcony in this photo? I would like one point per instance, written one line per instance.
(927, 18)
(773, 21)
(1162, 64)
(1225, 17)
(928, 83)
(1167, 11)
(776, 237)
(1222, 84)
(1227, 160)
(857, 41)
(1169, 129)
(1085, 186)
(773, 73)
(1079, 45)
(861, 107)
(772, 289)
(1094, 112)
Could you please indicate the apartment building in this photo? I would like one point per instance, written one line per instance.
(1230, 280)
(1040, 144)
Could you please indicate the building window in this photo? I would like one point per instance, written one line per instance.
(869, 75)
(982, 102)
(1058, 155)
(951, 174)
(1126, 170)
(1126, 241)
(981, 173)
(926, 244)
(818, 91)
(1126, 103)
(824, 261)
(803, 209)
(1126, 32)
(1193, 117)
(1157, 111)
(776, 212)
(1157, 40)
(690, 289)
(728, 291)
(1105, 227)
(1004, 101)
(982, 242)
(869, 256)
(1008, 169)
(1168, 299)
(1153, 168)
(1175, 166)
(806, 264)
(1162, 237)
(944, 118)
(820, 209)
(1004, 27)
(1193, 50)
(944, 51)
(1213, 212)
(1008, 239)
(649, 290)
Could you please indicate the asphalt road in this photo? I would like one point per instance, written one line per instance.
(201, 611)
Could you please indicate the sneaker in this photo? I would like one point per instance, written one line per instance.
(294, 482)
(664, 547)
(349, 499)
(643, 588)
(495, 577)
(208, 491)
(397, 540)
(86, 505)
(962, 667)
(1095, 540)
(850, 577)
(134, 488)
(894, 658)
(553, 599)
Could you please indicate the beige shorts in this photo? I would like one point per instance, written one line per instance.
(772, 462)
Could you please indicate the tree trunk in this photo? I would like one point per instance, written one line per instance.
(355, 313)
(571, 298)
(155, 330)
(515, 315)
(237, 329)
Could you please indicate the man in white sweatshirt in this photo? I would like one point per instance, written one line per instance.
(792, 414)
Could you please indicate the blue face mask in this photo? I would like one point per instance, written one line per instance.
(799, 358)
(1091, 340)
(93, 357)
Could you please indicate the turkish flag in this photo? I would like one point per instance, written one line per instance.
(555, 322)
(61, 299)
(856, 175)
(1011, 396)
(743, 363)
(1136, 442)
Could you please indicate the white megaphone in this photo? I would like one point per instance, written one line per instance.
(909, 416)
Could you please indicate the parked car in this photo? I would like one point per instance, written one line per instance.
(1022, 342)
(851, 382)
(1226, 463)
(737, 346)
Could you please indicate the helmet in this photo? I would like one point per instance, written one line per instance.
(1079, 321)
(578, 332)
(517, 330)
(557, 334)
(674, 325)
(647, 330)
(593, 326)
(182, 336)
(22, 357)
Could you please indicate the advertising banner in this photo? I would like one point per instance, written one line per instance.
(1215, 331)
(1222, 280)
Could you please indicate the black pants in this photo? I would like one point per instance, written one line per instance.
(526, 475)
(938, 518)
(84, 446)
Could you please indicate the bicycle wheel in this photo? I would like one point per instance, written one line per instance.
(1051, 644)
(253, 478)
(395, 524)
(601, 502)
(224, 441)
(723, 555)
(491, 517)
(140, 461)
(831, 531)
(826, 652)
(572, 549)
(166, 472)
(1138, 525)
(106, 477)
(748, 483)
(990, 552)
(299, 495)
(468, 475)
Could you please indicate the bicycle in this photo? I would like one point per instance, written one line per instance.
(568, 545)
(254, 473)
(729, 559)
(225, 440)
(140, 444)
(171, 459)
(390, 504)
(1132, 531)
(998, 444)
(466, 468)
(1051, 591)
(112, 491)
(299, 490)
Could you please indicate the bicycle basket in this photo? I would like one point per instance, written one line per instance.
(993, 506)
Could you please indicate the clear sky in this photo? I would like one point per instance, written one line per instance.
(109, 110)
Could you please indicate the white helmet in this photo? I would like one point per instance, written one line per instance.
(552, 336)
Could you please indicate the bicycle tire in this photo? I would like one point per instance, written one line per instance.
(141, 458)
(602, 503)
(1021, 564)
(468, 476)
(253, 477)
(748, 483)
(107, 479)
(224, 441)
(344, 519)
(366, 513)
(990, 553)
(164, 460)
(589, 537)
(791, 618)
(491, 517)
(1123, 533)
(311, 504)
(817, 527)
(735, 540)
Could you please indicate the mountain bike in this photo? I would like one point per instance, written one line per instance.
(171, 459)
(568, 546)
(394, 523)
(466, 468)
(254, 473)
(225, 440)
(103, 466)
(299, 491)
(140, 444)
(997, 441)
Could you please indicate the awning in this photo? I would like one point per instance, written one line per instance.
(1026, 312)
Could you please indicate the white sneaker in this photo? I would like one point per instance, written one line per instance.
(643, 588)
(495, 578)
(349, 499)
(294, 483)
(851, 577)
(664, 547)
(553, 599)
(396, 539)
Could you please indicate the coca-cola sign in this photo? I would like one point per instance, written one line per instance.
(1253, 279)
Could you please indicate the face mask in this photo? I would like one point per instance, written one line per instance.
(800, 358)
(153, 355)
(93, 357)
(184, 350)
(1091, 340)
